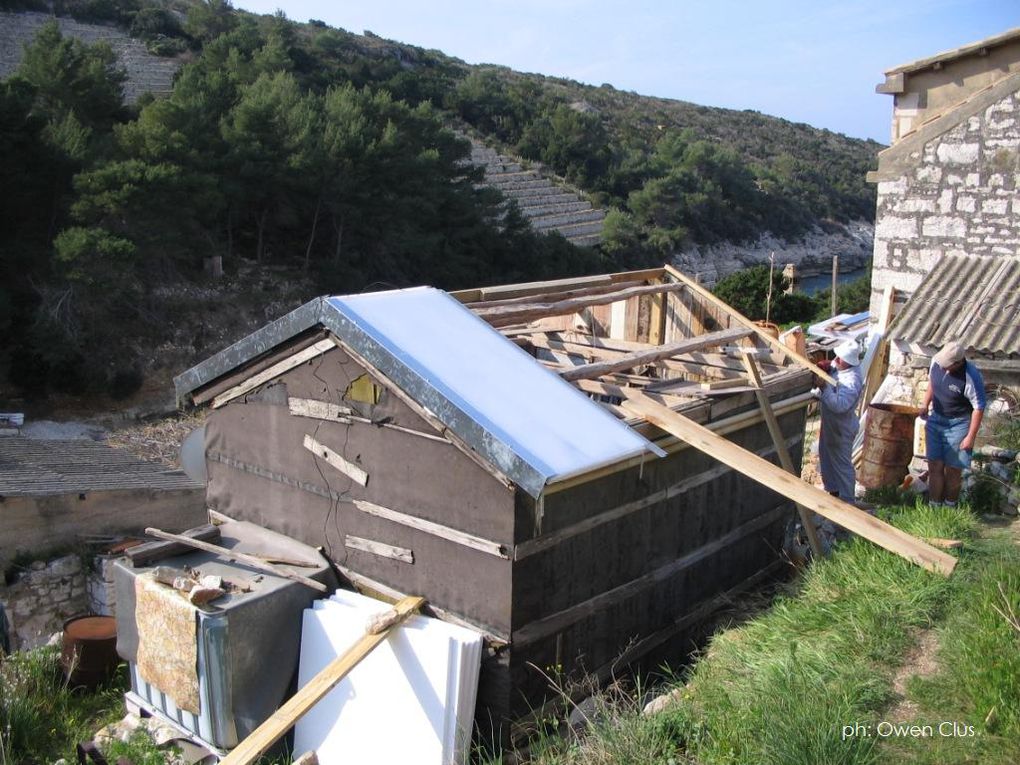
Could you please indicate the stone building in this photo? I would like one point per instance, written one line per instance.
(947, 229)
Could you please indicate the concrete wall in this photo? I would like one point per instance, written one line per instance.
(958, 194)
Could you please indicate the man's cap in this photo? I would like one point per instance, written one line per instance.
(849, 351)
(951, 353)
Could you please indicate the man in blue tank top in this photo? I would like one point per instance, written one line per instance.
(954, 405)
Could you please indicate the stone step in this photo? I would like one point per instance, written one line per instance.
(577, 229)
(529, 190)
(572, 204)
(587, 240)
(567, 219)
(555, 197)
(502, 167)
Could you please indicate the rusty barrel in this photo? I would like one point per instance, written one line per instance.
(89, 656)
(888, 445)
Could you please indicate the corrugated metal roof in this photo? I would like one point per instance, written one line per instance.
(30, 467)
(969, 298)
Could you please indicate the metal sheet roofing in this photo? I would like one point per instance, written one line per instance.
(30, 467)
(520, 417)
(969, 298)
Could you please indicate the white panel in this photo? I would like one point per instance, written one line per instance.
(545, 421)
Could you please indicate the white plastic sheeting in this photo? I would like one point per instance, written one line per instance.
(523, 407)
(412, 699)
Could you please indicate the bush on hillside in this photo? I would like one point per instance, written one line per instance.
(748, 292)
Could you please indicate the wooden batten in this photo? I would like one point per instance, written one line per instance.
(557, 285)
(336, 461)
(381, 549)
(551, 297)
(275, 370)
(436, 529)
(319, 410)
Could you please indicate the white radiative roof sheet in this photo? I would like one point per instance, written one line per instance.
(544, 420)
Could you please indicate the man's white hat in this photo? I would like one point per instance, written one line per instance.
(849, 351)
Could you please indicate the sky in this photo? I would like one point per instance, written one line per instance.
(812, 61)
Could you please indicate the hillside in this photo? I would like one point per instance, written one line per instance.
(329, 157)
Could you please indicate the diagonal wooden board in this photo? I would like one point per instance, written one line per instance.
(778, 480)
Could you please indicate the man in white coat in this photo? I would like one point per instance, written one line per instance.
(838, 406)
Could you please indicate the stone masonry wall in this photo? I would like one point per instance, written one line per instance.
(960, 196)
(145, 73)
(42, 598)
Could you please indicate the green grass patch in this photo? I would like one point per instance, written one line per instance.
(41, 718)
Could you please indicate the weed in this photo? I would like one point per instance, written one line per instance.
(985, 494)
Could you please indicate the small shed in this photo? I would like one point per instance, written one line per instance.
(489, 450)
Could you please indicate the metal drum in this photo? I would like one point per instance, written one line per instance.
(89, 656)
(888, 445)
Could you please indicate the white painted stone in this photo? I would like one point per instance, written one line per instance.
(973, 179)
(994, 206)
(944, 226)
(946, 201)
(894, 227)
(996, 181)
(914, 204)
(966, 204)
(928, 174)
(1001, 250)
(954, 180)
(896, 188)
(958, 153)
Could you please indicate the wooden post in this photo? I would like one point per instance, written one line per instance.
(780, 481)
(754, 375)
(283, 719)
(835, 282)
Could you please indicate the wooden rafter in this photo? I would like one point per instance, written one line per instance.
(654, 353)
(505, 291)
(708, 297)
(552, 297)
(502, 316)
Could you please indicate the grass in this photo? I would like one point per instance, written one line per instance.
(41, 718)
(811, 679)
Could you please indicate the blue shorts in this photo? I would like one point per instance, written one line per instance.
(943, 436)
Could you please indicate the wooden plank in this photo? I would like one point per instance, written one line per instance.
(436, 529)
(503, 316)
(274, 371)
(319, 410)
(425, 414)
(240, 557)
(731, 382)
(283, 719)
(144, 554)
(784, 455)
(550, 297)
(789, 353)
(654, 353)
(555, 285)
(622, 391)
(335, 460)
(381, 549)
(778, 480)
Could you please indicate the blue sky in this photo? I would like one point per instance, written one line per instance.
(812, 61)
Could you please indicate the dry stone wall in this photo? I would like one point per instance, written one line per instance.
(145, 73)
(959, 195)
(42, 598)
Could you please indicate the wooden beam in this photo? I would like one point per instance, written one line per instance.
(654, 353)
(284, 718)
(778, 480)
(436, 529)
(708, 297)
(240, 557)
(785, 460)
(274, 371)
(500, 317)
(336, 461)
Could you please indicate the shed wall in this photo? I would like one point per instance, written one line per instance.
(260, 470)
